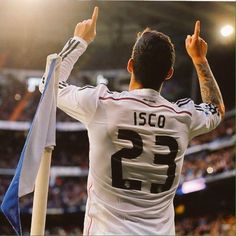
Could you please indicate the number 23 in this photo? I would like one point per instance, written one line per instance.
(135, 151)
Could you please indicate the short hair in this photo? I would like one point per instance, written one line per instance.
(153, 55)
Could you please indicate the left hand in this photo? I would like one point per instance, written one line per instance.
(87, 28)
(196, 46)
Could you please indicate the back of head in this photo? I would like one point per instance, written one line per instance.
(153, 56)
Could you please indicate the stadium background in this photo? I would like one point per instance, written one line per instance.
(30, 30)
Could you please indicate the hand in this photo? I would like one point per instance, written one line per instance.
(196, 46)
(87, 28)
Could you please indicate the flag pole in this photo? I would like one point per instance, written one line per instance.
(41, 194)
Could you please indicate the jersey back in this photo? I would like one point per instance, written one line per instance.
(137, 144)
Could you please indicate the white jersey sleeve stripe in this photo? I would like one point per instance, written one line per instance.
(182, 102)
(70, 50)
(67, 46)
(205, 116)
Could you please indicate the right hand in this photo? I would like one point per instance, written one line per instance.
(87, 28)
(196, 46)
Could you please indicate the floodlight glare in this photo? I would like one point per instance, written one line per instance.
(193, 185)
(32, 83)
(226, 30)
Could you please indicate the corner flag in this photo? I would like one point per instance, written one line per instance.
(41, 135)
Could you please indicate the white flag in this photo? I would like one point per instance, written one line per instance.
(41, 135)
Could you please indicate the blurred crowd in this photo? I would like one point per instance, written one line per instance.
(71, 150)
(14, 94)
(217, 225)
(11, 91)
(208, 163)
(67, 194)
(225, 129)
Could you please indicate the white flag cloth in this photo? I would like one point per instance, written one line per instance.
(41, 135)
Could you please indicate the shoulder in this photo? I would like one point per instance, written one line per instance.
(181, 106)
(99, 92)
(187, 103)
(106, 94)
(184, 102)
(100, 89)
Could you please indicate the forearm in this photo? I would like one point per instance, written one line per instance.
(71, 52)
(210, 91)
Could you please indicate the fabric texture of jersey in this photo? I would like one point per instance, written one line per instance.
(137, 144)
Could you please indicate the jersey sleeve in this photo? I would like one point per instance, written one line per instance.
(205, 117)
(70, 53)
(79, 102)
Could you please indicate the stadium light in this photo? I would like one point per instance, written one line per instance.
(17, 97)
(193, 185)
(227, 30)
(210, 170)
(33, 82)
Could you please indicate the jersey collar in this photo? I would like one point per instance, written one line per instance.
(145, 92)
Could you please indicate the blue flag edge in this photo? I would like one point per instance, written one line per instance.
(10, 204)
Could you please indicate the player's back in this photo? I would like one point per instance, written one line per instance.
(137, 144)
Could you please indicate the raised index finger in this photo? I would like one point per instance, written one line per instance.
(197, 29)
(95, 15)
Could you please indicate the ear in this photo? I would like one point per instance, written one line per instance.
(170, 73)
(130, 66)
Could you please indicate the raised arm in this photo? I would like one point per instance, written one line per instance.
(69, 96)
(84, 34)
(197, 50)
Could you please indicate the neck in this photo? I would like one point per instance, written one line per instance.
(136, 85)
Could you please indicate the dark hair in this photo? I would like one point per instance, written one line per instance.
(153, 55)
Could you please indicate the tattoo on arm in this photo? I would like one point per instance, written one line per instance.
(210, 91)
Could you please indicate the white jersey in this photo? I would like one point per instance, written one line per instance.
(137, 145)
